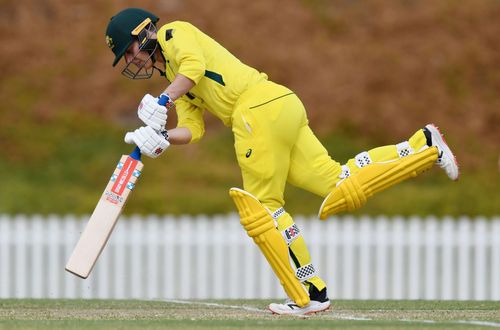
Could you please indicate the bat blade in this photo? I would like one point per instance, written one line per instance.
(104, 218)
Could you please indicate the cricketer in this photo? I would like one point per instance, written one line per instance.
(272, 139)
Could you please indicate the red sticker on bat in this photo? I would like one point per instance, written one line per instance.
(124, 176)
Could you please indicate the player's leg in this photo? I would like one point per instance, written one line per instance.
(311, 167)
(304, 268)
(260, 226)
(299, 253)
(264, 137)
(380, 168)
(416, 143)
(261, 150)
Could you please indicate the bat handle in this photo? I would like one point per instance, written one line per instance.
(162, 100)
(136, 154)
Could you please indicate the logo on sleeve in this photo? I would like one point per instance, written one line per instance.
(249, 153)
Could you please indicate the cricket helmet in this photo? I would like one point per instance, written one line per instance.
(125, 27)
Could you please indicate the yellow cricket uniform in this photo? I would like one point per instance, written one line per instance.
(273, 141)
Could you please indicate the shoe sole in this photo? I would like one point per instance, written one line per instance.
(306, 313)
(438, 138)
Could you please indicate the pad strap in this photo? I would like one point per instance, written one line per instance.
(278, 213)
(404, 149)
(345, 173)
(305, 272)
(362, 159)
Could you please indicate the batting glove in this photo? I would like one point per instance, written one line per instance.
(153, 114)
(151, 142)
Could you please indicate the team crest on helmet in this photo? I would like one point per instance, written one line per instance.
(109, 41)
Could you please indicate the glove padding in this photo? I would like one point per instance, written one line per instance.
(151, 142)
(153, 114)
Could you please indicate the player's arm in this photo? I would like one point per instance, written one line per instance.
(189, 56)
(180, 86)
(190, 124)
(184, 50)
(179, 135)
(190, 128)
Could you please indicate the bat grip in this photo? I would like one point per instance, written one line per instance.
(162, 100)
(136, 154)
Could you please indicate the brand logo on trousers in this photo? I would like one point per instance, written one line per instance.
(249, 152)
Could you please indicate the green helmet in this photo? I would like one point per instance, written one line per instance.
(123, 29)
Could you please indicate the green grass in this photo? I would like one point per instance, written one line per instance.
(248, 314)
(66, 169)
(60, 163)
(64, 177)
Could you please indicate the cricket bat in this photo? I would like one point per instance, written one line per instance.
(106, 213)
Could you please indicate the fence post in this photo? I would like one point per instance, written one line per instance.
(431, 264)
(414, 266)
(5, 270)
(382, 257)
(447, 265)
(480, 270)
(495, 259)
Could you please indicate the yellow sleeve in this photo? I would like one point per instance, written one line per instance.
(191, 117)
(188, 53)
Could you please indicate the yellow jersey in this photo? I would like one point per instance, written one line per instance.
(220, 78)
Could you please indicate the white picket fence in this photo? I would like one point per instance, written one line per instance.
(211, 257)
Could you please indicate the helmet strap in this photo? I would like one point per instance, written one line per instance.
(162, 73)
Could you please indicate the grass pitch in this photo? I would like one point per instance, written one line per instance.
(251, 314)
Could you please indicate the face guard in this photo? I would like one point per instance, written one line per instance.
(143, 33)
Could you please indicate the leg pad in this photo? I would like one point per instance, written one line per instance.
(260, 226)
(353, 191)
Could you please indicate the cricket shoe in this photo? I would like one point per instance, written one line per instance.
(446, 160)
(319, 303)
(291, 308)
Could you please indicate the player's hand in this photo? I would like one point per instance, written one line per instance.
(153, 114)
(151, 142)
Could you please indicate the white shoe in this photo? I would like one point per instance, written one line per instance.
(291, 308)
(446, 160)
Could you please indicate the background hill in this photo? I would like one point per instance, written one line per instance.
(369, 73)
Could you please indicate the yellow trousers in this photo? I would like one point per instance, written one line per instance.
(274, 145)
